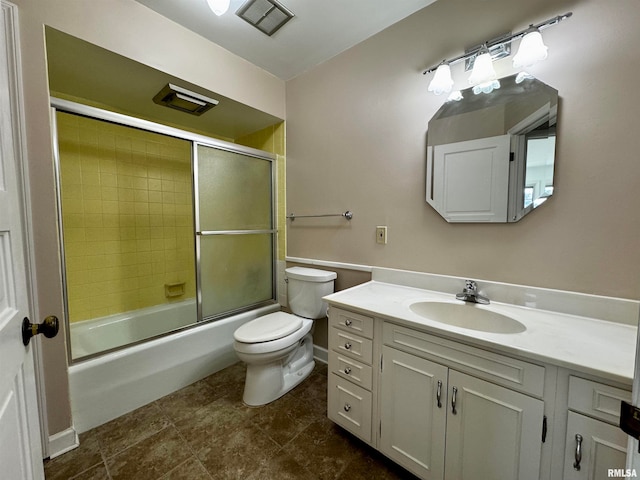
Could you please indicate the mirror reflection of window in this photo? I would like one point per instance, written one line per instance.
(528, 196)
(540, 149)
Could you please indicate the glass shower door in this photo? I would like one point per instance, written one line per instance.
(235, 238)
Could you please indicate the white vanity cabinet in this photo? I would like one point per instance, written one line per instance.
(350, 396)
(594, 444)
(453, 407)
(429, 406)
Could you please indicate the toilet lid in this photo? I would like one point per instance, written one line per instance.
(270, 327)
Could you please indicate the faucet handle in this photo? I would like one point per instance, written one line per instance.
(470, 285)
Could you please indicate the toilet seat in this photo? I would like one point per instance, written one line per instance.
(270, 327)
(278, 344)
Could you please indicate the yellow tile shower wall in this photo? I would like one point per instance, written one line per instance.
(272, 139)
(127, 211)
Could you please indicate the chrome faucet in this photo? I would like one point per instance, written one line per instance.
(470, 294)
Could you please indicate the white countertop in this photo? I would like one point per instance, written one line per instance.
(596, 347)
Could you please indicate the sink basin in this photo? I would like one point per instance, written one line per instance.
(467, 315)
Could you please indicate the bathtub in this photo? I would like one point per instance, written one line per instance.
(89, 337)
(105, 387)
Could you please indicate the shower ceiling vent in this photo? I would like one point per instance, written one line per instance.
(184, 100)
(266, 15)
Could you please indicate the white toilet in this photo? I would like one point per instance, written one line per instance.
(278, 347)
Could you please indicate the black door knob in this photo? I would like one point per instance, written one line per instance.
(49, 328)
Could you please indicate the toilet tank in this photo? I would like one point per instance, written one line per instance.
(306, 287)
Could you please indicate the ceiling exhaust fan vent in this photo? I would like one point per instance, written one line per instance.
(184, 100)
(268, 16)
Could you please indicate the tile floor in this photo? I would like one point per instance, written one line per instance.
(204, 431)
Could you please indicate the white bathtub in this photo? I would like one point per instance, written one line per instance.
(89, 337)
(105, 387)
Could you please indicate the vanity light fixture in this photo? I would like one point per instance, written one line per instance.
(483, 78)
(219, 7)
(442, 81)
(522, 76)
(532, 49)
(455, 96)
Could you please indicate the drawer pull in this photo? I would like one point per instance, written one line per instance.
(578, 453)
(348, 322)
(439, 394)
(347, 407)
(453, 401)
(347, 370)
(347, 346)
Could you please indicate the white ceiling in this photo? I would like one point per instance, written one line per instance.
(320, 29)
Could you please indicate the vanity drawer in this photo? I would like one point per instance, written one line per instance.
(510, 372)
(350, 369)
(350, 406)
(596, 399)
(354, 322)
(351, 345)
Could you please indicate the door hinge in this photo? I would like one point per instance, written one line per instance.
(512, 156)
(544, 428)
(380, 429)
(381, 364)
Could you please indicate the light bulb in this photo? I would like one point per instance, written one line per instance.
(219, 7)
(532, 50)
(442, 81)
(483, 71)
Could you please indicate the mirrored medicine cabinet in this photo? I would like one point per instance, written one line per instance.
(490, 157)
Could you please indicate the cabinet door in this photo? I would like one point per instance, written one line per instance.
(470, 180)
(412, 424)
(603, 447)
(492, 433)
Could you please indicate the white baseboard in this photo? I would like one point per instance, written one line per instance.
(321, 354)
(62, 442)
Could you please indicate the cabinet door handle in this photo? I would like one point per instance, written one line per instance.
(347, 346)
(348, 322)
(578, 453)
(347, 407)
(439, 394)
(347, 370)
(453, 400)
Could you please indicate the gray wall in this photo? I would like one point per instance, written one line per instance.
(356, 135)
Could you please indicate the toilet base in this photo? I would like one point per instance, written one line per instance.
(268, 382)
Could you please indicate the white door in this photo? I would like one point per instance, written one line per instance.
(20, 443)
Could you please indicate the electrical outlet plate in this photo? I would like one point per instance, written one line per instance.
(381, 235)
